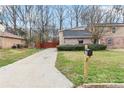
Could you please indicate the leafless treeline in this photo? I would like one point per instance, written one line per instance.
(46, 20)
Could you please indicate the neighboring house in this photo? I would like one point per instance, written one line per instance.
(7, 40)
(114, 35)
(74, 36)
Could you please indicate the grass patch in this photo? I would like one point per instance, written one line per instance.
(8, 56)
(105, 66)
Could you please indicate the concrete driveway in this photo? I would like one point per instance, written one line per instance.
(36, 71)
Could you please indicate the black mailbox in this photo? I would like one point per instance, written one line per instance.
(88, 52)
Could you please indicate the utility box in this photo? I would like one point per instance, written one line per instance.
(88, 52)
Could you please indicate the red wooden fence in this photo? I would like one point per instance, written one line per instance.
(52, 44)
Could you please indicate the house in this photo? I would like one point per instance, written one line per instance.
(112, 36)
(7, 40)
(74, 36)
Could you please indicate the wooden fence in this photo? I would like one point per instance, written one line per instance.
(52, 44)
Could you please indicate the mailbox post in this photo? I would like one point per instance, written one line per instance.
(87, 54)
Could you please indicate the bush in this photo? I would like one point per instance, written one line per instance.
(94, 47)
(25, 46)
(18, 46)
(70, 47)
(97, 47)
(14, 46)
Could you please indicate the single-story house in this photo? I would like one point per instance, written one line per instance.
(74, 36)
(113, 35)
(7, 40)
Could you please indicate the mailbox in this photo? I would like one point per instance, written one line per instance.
(88, 52)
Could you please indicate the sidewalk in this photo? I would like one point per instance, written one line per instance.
(36, 71)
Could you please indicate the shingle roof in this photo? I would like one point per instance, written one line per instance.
(9, 35)
(76, 34)
(109, 24)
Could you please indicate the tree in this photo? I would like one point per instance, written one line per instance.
(77, 13)
(12, 15)
(43, 21)
(95, 15)
(70, 16)
(119, 11)
(1, 11)
(60, 11)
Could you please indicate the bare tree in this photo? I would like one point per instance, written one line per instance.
(96, 15)
(60, 11)
(12, 15)
(43, 21)
(119, 11)
(1, 13)
(77, 12)
(26, 17)
(70, 16)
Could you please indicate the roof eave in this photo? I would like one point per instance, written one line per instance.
(77, 37)
(12, 37)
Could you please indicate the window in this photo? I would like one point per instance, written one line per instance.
(113, 29)
(80, 41)
(109, 41)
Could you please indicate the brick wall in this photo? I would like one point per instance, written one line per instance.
(117, 38)
(76, 41)
(9, 42)
(61, 38)
(117, 42)
(71, 41)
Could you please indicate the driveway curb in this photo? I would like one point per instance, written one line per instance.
(102, 85)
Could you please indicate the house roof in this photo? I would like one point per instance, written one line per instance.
(80, 28)
(76, 34)
(110, 24)
(9, 35)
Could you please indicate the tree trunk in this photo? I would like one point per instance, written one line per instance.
(95, 41)
(14, 18)
(77, 21)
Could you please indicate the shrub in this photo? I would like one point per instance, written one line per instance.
(14, 46)
(25, 46)
(18, 46)
(94, 47)
(70, 47)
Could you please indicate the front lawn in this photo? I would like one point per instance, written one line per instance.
(8, 56)
(105, 66)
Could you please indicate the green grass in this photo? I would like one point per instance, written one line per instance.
(104, 67)
(8, 56)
